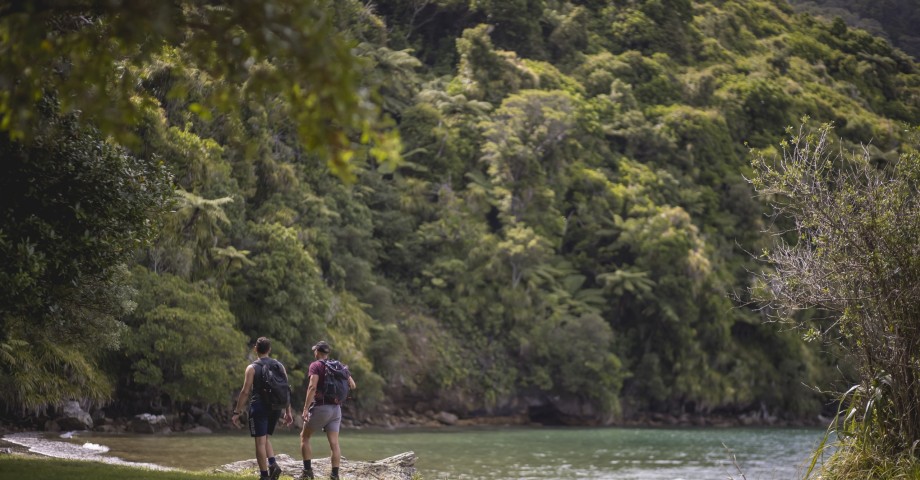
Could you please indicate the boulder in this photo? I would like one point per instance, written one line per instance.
(447, 418)
(74, 417)
(148, 423)
(397, 467)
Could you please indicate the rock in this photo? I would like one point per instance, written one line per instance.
(199, 430)
(105, 428)
(397, 467)
(74, 417)
(98, 416)
(148, 423)
(6, 451)
(447, 418)
(206, 420)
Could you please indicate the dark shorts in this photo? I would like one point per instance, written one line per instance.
(262, 420)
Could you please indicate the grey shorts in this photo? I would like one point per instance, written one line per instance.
(327, 418)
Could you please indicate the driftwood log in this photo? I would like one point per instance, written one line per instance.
(397, 467)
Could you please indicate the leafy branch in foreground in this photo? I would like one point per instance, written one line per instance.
(855, 254)
(91, 56)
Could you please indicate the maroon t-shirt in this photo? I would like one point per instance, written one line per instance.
(317, 368)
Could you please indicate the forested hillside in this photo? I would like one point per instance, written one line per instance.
(569, 233)
(895, 20)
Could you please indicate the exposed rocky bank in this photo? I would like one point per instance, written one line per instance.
(397, 467)
(72, 416)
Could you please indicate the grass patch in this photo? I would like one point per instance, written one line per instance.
(856, 459)
(33, 468)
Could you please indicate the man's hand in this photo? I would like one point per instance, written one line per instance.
(306, 415)
(288, 418)
(235, 419)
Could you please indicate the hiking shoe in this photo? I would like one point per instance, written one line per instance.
(306, 474)
(333, 477)
(274, 471)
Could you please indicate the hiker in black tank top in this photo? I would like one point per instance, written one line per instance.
(262, 418)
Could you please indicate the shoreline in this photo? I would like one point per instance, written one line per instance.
(446, 420)
(173, 424)
(35, 445)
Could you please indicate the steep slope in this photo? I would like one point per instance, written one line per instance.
(568, 235)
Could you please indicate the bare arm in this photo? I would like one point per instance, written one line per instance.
(351, 382)
(244, 393)
(311, 392)
(288, 412)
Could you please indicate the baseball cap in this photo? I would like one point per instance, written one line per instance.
(322, 346)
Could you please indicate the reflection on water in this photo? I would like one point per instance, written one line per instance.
(515, 452)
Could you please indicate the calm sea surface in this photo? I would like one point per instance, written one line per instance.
(516, 453)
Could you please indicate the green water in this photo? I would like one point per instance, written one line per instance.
(516, 453)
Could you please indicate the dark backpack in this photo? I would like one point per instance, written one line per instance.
(273, 385)
(336, 386)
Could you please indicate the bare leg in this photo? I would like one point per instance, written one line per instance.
(305, 450)
(333, 438)
(269, 451)
(261, 457)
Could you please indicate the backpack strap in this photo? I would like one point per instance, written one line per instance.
(320, 396)
(255, 393)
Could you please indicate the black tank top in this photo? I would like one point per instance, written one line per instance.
(255, 395)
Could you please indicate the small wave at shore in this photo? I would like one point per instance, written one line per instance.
(36, 443)
(96, 447)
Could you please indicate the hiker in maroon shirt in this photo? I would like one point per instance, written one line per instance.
(320, 413)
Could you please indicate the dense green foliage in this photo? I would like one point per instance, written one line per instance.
(565, 229)
(176, 319)
(75, 208)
